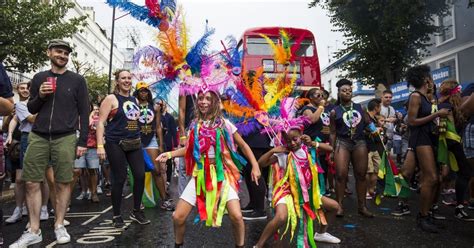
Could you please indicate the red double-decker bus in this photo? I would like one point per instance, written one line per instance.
(258, 53)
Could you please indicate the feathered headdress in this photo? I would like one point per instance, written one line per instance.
(255, 100)
(284, 51)
(153, 13)
(213, 77)
(288, 119)
(231, 56)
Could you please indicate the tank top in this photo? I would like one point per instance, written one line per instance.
(147, 123)
(124, 124)
(423, 131)
(347, 118)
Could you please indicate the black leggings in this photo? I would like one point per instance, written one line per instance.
(118, 169)
(465, 171)
(256, 192)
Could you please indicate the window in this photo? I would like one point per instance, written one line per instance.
(450, 62)
(259, 46)
(448, 24)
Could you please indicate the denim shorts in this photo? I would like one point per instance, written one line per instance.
(349, 145)
(89, 160)
(153, 144)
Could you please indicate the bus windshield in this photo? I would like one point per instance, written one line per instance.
(259, 46)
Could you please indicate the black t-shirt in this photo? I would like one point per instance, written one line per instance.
(467, 92)
(5, 83)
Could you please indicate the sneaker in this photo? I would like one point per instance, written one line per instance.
(425, 224)
(255, 215)
(62, 237)
(81, 196)
(16, 216)
(470, 205)
(449, 201)
(1, 239)
(368, 196)
(402, 209)
(12, 185)
(460, 214)
(118, 222)
(89, 195)
(27, 238)
(95, 198)
(326, 238)
(44, 215)
(167, 205)
(24, 211)
(139, 217)
(247, 209)
(99, 190)
(434, 213)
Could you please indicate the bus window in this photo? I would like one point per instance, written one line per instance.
(259, 46)
(306, 49)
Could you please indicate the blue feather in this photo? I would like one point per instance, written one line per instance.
(194, 57)
(163, 87)
(138, 12)
(170, 4)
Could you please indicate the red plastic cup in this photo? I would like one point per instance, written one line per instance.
(52, 81)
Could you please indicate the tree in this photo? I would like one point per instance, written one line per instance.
(97, 86)
(83, 68)
(385, 36)
(27, 26)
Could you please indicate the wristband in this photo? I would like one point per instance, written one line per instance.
(169, 155)
(322, 107)
(316, 144)
(183, 137)
(100, 146)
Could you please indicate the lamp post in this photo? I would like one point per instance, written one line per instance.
(111, 51)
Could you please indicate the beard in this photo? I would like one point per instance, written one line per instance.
(56, 62)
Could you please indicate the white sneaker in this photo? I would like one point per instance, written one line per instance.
(326, 238)
(27, 238)
(81, 196)
(44, 215)
(16, 216)
(24, 211)
(99, 190)
(62, 237)
(12, 185)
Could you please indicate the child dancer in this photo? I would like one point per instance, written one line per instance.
(296, 196)
(214, 164)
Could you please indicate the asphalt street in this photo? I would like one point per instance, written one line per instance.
(91, 227)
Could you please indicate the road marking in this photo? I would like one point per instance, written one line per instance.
(51, 245)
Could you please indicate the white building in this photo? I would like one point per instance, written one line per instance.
(91, 46)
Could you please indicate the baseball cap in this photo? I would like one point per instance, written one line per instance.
(59, 43)
(141, 85)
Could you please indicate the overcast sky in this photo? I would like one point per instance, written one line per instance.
(232, 17)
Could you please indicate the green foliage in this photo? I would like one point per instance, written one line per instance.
(26, 28)
(97, 86)
(386, 36)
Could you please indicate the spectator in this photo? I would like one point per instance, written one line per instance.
(26, 120)
(373, 109)
(59, 98)
(169, 135)
(399, 130)
(6, 107)
(389, 113)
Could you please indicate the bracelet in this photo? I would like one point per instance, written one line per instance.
(316, 144)
(100, 146)
(320, 107)
(169, 155)
(183, 137)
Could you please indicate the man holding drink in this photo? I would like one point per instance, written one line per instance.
(59, 98)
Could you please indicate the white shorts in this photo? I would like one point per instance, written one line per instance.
(189, 193)
(153, 144)
(281, 201)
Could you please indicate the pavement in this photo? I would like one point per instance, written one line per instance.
(91, 227)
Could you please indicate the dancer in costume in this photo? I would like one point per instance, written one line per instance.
(150, 129)
(296, 196)
(450, 149)
(215, 166)
(348, 121)
(422, 139)
(119, 113)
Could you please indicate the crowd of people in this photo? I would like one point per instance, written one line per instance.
(62, 138)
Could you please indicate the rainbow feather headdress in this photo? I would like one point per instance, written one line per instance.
(256, 99)
(214, 77)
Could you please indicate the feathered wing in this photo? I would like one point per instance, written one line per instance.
(138, 12)
(295, 47)
(168, 41)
